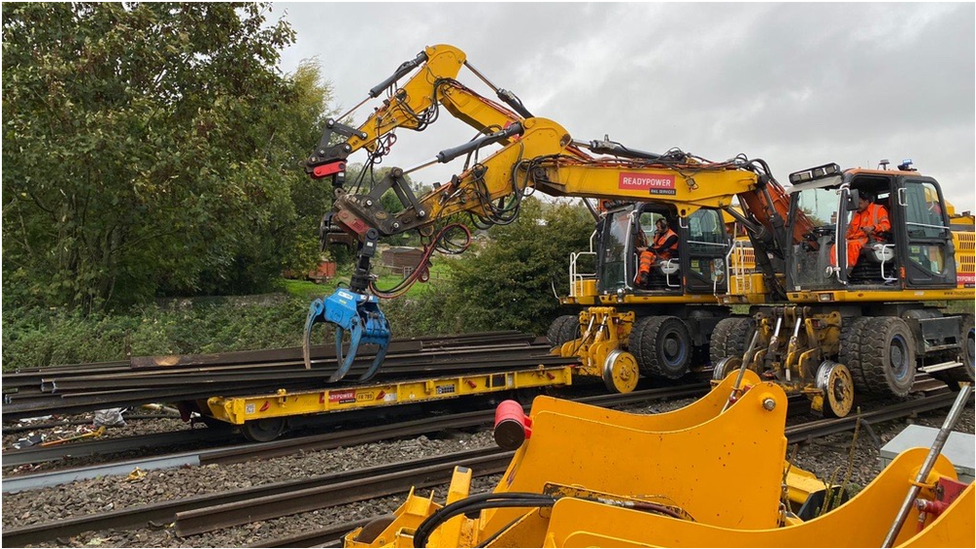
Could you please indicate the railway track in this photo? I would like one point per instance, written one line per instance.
(233, 453)
(221, 510)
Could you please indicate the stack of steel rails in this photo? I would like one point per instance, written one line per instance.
(86, 387)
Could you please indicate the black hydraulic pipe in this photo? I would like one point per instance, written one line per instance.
(401, 71)
(450, 154)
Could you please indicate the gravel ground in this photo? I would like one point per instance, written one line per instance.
(823, 457)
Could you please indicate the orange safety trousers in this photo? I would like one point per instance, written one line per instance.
(647, 257)
(875, 216)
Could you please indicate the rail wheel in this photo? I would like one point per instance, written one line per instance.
(852, 333)
(835, 380)
(264, 429)
(620, 372)
(665, 346)
(723, 367)
(731, 337)
(887, 356)
(563, 329)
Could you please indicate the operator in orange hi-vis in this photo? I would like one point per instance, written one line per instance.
(665, 247)
(866, 224)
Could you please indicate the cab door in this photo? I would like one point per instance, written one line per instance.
(925, 243)
(705, 245)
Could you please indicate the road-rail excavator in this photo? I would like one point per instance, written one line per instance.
(595, 477)
(871, 324)
(631, 329)
(678, 310)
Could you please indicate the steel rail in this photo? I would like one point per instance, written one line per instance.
(43, 454)
(824, 427)
(379, 482)
(79, 394)
(166, 511)
(330, 536)
(479, 362)
(76, 525)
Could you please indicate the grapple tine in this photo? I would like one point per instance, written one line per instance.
(356, 335)
(377, 362)
(315, 316)
(353, 313)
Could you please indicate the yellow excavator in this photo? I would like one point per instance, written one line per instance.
(812, 346)
(655, 328)
(871, 324)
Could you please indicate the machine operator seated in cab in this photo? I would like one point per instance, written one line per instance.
(663, 247)
(869, 224)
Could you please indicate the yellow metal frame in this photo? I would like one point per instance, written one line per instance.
(719, 468)
(237, 410)
(696, 458)
(721, 464)
(861, 522)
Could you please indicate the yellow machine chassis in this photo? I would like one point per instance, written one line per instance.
(237, 410)
(726, 468)
(876, 296)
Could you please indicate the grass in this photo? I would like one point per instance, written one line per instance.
(310, 290)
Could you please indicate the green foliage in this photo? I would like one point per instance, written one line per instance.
(150, 150)
(40, 337)
(507, 284)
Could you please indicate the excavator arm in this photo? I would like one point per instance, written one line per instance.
(540, 154)
(546, 158)
(413, 106)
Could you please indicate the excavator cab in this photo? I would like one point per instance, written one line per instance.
(696, 264)
(916, 250)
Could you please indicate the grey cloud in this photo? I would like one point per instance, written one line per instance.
(795, 84)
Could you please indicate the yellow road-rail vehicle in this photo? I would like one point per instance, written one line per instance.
(871, 325)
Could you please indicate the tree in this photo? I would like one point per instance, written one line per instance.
(151, 149)
(508, 284)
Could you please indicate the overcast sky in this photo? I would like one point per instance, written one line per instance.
(798, 85)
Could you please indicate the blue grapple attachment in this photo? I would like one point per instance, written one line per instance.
(355, 312)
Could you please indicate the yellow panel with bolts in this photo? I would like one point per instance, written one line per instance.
(862, 522)
(726, 471)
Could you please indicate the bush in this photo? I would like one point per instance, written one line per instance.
(42, 337)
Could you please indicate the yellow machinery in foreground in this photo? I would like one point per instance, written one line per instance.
(708, 475)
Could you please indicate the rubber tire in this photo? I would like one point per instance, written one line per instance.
(634, 346)
(731, 337)
(651, 340)
(563, 329)
(885, 372)
(851, 333)
(965, 374)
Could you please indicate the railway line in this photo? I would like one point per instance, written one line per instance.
(205, 513)
(154, 379)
